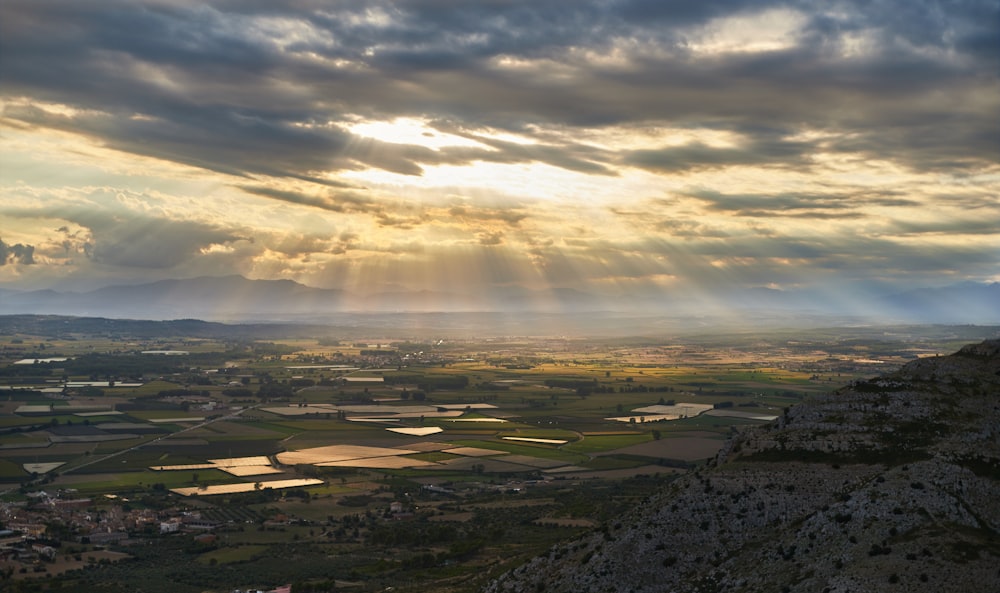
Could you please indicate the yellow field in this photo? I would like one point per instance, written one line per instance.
(391, 462)
(241, 461)
(244, 487)
(417, 431)
(242, 471)
(320, 455)
(474, 452)
(532, 440)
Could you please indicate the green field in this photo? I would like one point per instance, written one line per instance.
(598, 443)
(460, 515)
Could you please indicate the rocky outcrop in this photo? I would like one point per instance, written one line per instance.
(889, 484)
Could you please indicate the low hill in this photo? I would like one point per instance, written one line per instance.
(891, 484)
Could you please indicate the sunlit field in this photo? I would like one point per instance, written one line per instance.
(276, 430)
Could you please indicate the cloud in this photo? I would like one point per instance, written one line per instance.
(963, 226)
(564, 142)
(333, 202)
(18, 253)
(253, 89)
(495, 238)
(117, 228)
(567, 155)
(657, 220)
(697, 155)
(833, 203)
(508, 216)
(155, 243)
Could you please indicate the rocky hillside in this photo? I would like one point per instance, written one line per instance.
(892, 484)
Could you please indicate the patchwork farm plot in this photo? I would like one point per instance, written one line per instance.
(325, 442)
(539, 411)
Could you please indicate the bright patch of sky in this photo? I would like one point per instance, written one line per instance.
(770, 30)
(405, 130)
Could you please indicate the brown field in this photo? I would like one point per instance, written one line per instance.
(682, 409)
(244, 487)
(241, 471)
(185, 467)
(417, 431)
(241, 461)
(317, 455)
(390, 462)
(42, 468)
(427, 446)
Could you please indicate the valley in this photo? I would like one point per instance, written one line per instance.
(420, 461)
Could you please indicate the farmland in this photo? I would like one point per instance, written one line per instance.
(420, 462)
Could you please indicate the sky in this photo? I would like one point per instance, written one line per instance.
(609, 147)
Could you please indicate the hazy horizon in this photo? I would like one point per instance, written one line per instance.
(234, 299)
(633, 152)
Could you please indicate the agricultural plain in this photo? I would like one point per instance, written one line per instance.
(420, 462)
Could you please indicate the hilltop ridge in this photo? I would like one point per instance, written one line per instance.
(888, 484)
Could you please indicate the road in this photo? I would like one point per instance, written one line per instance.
(139, 446)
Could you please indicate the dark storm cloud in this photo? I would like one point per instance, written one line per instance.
(862, 255)
(253, 88)
(18, 253)
(155, 243)
(570, 156)
(700, 156)
(761, 259)
(844, 204)
(122, 237)
(334, 202)
(977, 226)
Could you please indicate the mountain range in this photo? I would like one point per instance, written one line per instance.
(235, 298)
